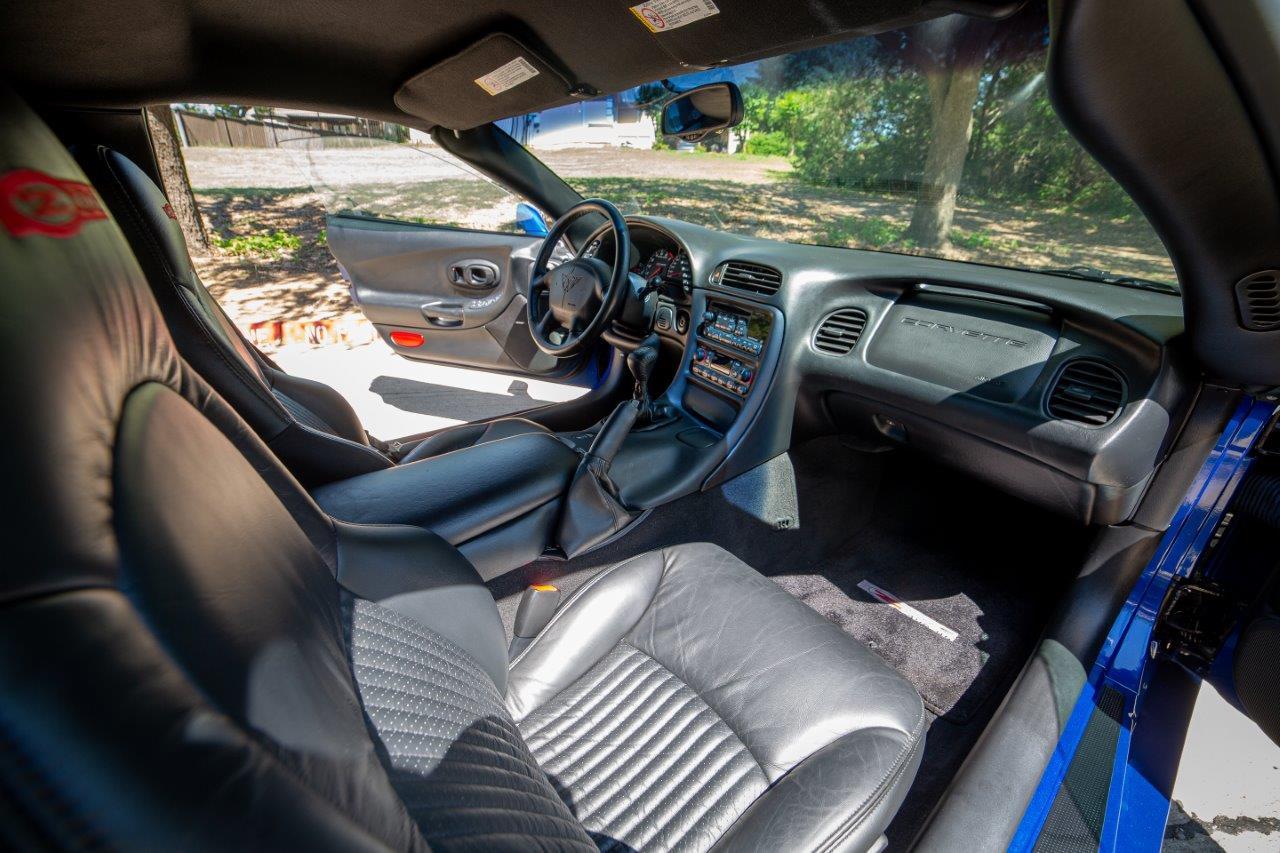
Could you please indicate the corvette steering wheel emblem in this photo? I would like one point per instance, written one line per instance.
(571, 291)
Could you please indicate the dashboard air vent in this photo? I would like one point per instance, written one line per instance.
(838, 334)
(1088, 392)
(1258, 296)
(752, 278)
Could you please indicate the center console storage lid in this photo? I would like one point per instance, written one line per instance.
(459, 495)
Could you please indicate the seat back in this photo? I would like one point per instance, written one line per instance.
(172, 651)
(307, 424)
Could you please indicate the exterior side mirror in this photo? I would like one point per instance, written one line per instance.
(530, 221)
(694, 114)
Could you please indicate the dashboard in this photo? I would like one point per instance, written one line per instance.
(1066, 393)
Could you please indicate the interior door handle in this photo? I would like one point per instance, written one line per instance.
(476, 274)
(446, 315)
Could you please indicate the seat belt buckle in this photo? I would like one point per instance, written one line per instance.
(537, 605)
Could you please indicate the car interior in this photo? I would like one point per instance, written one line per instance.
(681, 611)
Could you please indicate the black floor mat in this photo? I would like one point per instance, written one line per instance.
(955, 673)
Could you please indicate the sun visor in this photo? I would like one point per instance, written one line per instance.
(494, 78)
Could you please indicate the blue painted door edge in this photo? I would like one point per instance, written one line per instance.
(1136, 810)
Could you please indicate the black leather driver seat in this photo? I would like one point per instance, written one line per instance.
(309, 425)
(193, 656)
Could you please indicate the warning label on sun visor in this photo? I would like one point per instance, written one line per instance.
(662, 15)
(507, 76)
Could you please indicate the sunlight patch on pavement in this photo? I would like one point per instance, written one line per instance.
(395, 397)
(1228, 783)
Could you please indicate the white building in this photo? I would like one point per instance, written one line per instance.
(610, 121)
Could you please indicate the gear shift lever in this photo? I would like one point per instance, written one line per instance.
(641, 361)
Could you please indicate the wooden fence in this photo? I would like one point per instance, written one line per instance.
(201, 129)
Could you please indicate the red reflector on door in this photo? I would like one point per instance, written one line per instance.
(407, 339)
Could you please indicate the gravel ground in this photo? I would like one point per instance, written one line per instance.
(394, 164)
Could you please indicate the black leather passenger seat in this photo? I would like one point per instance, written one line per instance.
(194, 656)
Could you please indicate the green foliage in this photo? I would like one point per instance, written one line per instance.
(972, 239)
(864, 133)
(863, 232)
(858, 116)
(772, 143)
(270, 243)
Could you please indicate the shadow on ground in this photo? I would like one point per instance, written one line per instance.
(446, 401)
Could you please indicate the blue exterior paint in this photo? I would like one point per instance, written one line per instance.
(530, 221)
(1137, 808)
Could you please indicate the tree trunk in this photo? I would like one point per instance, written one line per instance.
(983, 121)
(173, 171)
(952, 96)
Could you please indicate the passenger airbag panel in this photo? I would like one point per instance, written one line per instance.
(986, 349)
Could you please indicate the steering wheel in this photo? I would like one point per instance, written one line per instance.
(570, 306)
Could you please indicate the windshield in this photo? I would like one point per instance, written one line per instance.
(935, 140)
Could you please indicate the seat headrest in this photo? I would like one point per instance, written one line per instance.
(130, 193)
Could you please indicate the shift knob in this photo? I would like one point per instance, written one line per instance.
(641, 361)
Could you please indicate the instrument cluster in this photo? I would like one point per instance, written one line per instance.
(671, 269)
(654, 254)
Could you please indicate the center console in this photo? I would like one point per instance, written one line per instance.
(713, 430)
(728, 348)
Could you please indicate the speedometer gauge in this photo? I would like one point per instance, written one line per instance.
(657, 264)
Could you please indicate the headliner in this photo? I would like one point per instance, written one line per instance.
(353, 56)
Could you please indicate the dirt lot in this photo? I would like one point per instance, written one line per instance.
(265, 208)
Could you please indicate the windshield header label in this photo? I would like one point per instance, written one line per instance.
(658, 16)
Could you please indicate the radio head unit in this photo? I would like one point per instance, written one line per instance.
(746, 330)
(729, 345)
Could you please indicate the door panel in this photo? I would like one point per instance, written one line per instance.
(462, 291)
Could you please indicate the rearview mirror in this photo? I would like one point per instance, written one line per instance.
(707, 109)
